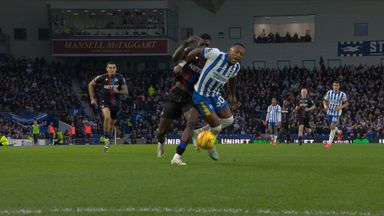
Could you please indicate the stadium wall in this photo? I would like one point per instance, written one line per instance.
(334, 22)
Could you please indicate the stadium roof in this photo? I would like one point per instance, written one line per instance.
(211, 5)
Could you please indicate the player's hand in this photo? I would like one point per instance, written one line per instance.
(326, 108)
(93, 101)
(337, 108)
(177, 69)
(306, 109)
(232, 101)
(116, 89)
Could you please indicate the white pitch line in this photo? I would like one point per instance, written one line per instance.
(235, 211)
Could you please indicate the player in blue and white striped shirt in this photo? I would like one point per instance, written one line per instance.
(273, 119)
(334, 101)
(220, 68)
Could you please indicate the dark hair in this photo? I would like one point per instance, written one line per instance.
(111, 62)
(336, 81)
(205, 36)
(238, 44)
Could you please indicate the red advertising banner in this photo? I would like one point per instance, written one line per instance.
(100, 47)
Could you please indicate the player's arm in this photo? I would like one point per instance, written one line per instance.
(123, 90)
(345, 104)
(180, 51)
(267, 117)
(123, 87)
(296, 109)
(325, 105)
(191, 55)
(325, 102)
(91, 91)
(311, 107)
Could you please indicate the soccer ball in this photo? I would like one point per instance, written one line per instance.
(206, 140)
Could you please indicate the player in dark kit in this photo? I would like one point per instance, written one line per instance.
(179, 101)
(113, 85)
(285, 120)
(305, 105)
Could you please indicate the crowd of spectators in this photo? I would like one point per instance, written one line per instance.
(362, 84)
(12, 129)
(277, 38)
(38, 86)
(127, 22)
(255, 88)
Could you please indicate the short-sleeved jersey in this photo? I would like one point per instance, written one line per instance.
(303, 103)
(335, 99)
(216, 72)
(273, 113)
(107, 84)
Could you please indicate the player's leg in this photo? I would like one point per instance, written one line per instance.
(112, 122)
(301, 132)
(35, 139)
(191, 116)
(207, 111)
(223, 111)
(107, 127)
(170, 112)
(332, 121)
(164, 125)
(275, 133)
(51, 138)
(270, 132)
(112, 128)
(307, 127)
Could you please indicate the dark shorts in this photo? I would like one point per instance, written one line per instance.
(35, 136)
(304, 121)
(177, 103)
(112, 109)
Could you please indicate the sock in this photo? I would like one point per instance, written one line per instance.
(331, 136)
(197, 131)
(226, 122)
(106, 134)
(275, 138)
(181, 148)
(271, 137)
(176, 156)
(216, 130)
(337, 130)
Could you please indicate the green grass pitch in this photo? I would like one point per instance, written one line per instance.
(247, 180)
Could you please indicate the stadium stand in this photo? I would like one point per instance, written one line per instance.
(38, 86)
